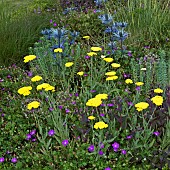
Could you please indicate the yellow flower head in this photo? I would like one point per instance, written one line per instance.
(91, 54)
(86, 37)
(52, 88)
(29, 58)
(115, 65)
(96, 49)
(36, 78)
(128, 81)
(111, 73)
(25, 91)
(80, 73)
(109, 60)
(69, 64)
(139, 83)
(111, 78)
(58, 50)
(33, 104)
(158, 90)
(100, 125)
(91, 117)
(42, 86)
(94, 102)
(102, 96)
(142, 105)
(158, 100)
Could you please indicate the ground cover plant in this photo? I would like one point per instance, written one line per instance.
(89, 98)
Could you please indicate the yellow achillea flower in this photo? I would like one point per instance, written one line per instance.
(109, 60)
(139, 83)
(33, 104)
(111, 78)
(42, 86)
(111, 73)
(128, 81)
(115, 65)
(52, 88)
(36, 78)
(91, 54)
(96, 49)
(29, 58)
(94, 102)
(102, 96)
(142, 105)
(25, 91)
(69, 64)
(100, 125)
(58, 50)
(86, 37)
(158, 90)
(158, 100)
(80, 73)
(91, 117)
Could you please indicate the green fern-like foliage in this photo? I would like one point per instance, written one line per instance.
(162, 70)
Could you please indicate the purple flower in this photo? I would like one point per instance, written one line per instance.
(28, 137)
(85, 75)
(92, 91)
(51, 132)
(51, 20)
(76, 94)
(130, 103)
(115, 145)
(67, 110)
(65, 142)
(115, 149)
(33, 132)
(156, 133)
(8, 76)
(129, 137)
(129, 53)
(33, 140)
(2, 114)
(123, 152)
(100, 152)
(70, 95)
(91, 148)
(110, 104)
(73, 102)
(102, 104)
(51, 109)
(2, 159)
(102, 114)
(138, 88)
(14, 160)
(29, 73)
(60, 107)
(55, 24)
(108, 168)
(101, 145)
(87, 57)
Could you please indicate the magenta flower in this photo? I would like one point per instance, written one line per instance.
(60, 107)
(100, 152)
(2, 159)
(102, 114)
(67, 110)
(123, 152)
(14, 160)
(65, 142)
(51, 20)
(110, 104)
(28, 137)
(33, 132)
(87, 57)
(115, 145)
(129, 137)
(55, 24)
(108, 168)
(91, 148)
(51, 109)
(101, 145)
(156, 133)
(51, 132)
